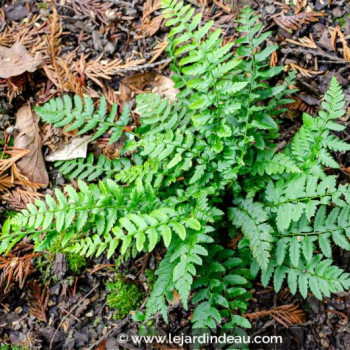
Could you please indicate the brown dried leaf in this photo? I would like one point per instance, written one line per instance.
(5, 183)
(18, 199)
(16, 154)
(17, 268)
(38, 300)
(223, 6)
(16, 60)
(138, 83)
(305, 42)
(165, 87)
(31, 165)
(303, 71)
(338, 33)
(149, 7)
(273, 59)
(149, 28)
(290, 23)
(158, 50)
(92, 8)
(286, 315)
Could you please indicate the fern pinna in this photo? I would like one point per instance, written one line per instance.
(214, 142)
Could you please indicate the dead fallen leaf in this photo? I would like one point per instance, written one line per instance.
(16, 60)
(76, 148)
(142, 82)
(32, 165)
(164, 86)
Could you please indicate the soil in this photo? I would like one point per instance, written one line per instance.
(77, 315)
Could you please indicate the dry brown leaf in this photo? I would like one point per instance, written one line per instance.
(15, 153)
(286, 315)
(223, 6)
(31, 165)
(158, 50)
(299, 5)
(149, 28)
(304, 41)
(92, 8)
(338, 33)
(38, 299)
(5, 182)
(164, 86)
(149, 7)
(16, 60)
(290, 23)
(303, 71)
(273, 59)
(18, 199)
(17, 267)
(140, 82)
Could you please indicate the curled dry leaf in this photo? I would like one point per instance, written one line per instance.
(16, 60)
(76, 148)
(32, 165)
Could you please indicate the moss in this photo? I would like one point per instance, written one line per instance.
(41, 5)
(124, 296)
(75, 262)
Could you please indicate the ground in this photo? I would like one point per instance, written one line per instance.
(118, 48)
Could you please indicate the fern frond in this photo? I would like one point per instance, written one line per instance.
(252, 218)
(312, 145)
(89, 170)
(133, 215)
(222, 286)
(302, 194)
(76, 114)
(318, 276)
(177, 270)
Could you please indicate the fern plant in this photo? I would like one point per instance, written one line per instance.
(215, 143)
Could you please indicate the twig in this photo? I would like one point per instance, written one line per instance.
(73, 308)
(318, 52)
(145, 66)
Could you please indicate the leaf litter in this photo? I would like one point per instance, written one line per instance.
(131, 59)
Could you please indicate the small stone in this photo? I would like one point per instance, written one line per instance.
(89, 314)
(337, 12)
(270, 9)
(109, 48)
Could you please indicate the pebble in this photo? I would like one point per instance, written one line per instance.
(337, 12)
(270, 9)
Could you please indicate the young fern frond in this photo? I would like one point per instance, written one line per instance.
(222, 289)
(177, 270)
(314, 140)
(82, 115)
(252, 218)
